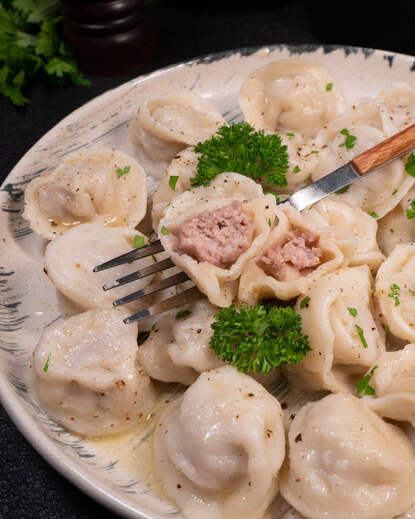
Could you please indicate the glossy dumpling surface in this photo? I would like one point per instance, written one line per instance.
(86, 373)
(345, 462)
(97, 185)
(218, 451)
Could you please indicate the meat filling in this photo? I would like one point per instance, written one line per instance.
(290, 260)
(219, 236)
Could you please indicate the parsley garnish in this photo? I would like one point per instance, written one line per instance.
(411, 291)
(31, 45)
(410, 165)
(258, 338)
(46, 366)
(349, 141)
(165, 231)
(410, 213)
(239, 148)
(154, 258)
(138, 241)
(394, 192)
(387, 329)
(373, 214)
(352, 312)
(329, 87)
(342, 190)
(305, 301)
(290, 135)
(362, 386)
(296, 169)
(361, 335)
(173, 181)
(120, 172)
(182, 313)
(394, 293)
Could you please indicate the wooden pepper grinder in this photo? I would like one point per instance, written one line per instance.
(108, 37)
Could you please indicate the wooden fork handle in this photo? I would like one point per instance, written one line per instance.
(385, 151)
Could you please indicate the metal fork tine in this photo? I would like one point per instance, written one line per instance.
(188, 296)
(139, 274)
(152, 289)
(142, 252)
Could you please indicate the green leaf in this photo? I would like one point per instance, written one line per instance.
(361, 335)
(362, 386)
(329, 87)
(165, 231)
(352, 312)
(410, 213)
(182, 313)
(305, 302)
(47, 39)
(46, 366)
(138, 241)
(410, 165)
(173, 181)
(121, 172)
(37, 10)
(349, 141)
(395, 293)
(342, 190)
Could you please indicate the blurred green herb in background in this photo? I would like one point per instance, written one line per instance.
(31, 44)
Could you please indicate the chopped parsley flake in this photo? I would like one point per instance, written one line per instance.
(411, 291)
(386, 329)
(410, 213)
(296, 169)
(290, 135)
(352, 311)
(349, 141)
(361, 335)
(342, 190)
(410, 165)
(154, 258)
(373, 214)
(165, 231)
(138, 241)
(120, 172)
(329, 87)
(305, 301)
(362, 386)
(394, 293)
(46, 366)
(394, 191)
(182, 313)
(173, 181)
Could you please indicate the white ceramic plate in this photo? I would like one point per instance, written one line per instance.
(115, 471)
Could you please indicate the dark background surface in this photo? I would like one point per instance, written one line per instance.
(29, 487)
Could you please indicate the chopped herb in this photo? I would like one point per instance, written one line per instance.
(239, 148)
(342, 190)
(394, 191)
(352, 312)
(138, 241)
(165, 231)
(411, 291)
(305, 301)
(314, 151)
(410, 213)
(154, 258)
(329, 87)
(373, 214)
(290, 134)
(269, 222)
(296, 169)
(173, 181)
(46, 366)
(410, 165)
(258, 338)
(133, 196)
(182, 313)
(386, 329)
(394, 293)
(349, 141)
(362, 386)
(361, 335)
(124, 171)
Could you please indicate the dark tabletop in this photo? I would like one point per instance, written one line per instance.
(29, 487)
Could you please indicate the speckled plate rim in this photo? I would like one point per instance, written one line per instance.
(9, 397)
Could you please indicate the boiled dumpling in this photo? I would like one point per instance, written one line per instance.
(166, 125)
(290, 95)
(86, 373)
(345, 462)
(218, 449)
(212, 232)
(344, 337)
(97, 185)
(399, 100)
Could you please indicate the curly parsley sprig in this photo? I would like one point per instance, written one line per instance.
(259, 338)
(239, 148)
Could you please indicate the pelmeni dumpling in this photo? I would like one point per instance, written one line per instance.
(399, 100)
(393, 380)
(345, 462)
(354, 223)
(218, 450)
(166, 125)
(86, 373)
(380, 191)
(176, 180)
(395, 291)
(70, 258)
(96, 185)
(290, 94)
(297, 253)
(212, 232)
(177, 349)
(343, 334)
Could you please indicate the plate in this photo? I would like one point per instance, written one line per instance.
(116, 471)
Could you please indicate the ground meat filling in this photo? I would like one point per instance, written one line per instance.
(292, 259)
(218, 237)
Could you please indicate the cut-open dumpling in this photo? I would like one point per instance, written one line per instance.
(361, 127)
(86, 373)
(219, 448)
(166, 125)
(290, 94)
(70, 258)
(96, 185)
(177, 349)
(355, 224)
(345, 462)
(297, 252)
(395, 291)
(399, 100)
(337, 316)
(212, 232)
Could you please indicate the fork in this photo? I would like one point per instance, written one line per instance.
(368, 161)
